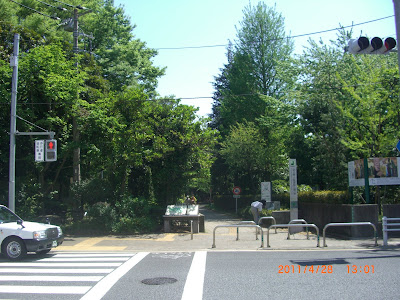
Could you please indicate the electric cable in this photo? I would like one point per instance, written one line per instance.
(52, 6)
(277, 39)
(36, 11)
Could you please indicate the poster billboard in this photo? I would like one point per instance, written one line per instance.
(381, 171)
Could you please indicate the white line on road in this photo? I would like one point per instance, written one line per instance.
(53, 271)
(44, 289)
(15, 278)
(104, 285)
(59, 259)
(80, 254)
(195, 280)
(40, 265)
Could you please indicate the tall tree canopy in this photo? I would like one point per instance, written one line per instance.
(255, 67)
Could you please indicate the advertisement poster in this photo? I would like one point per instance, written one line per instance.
(381, 171)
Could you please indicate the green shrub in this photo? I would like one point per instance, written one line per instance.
(331, 197)
(245, 213)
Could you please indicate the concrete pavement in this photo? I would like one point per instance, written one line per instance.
(225, 239)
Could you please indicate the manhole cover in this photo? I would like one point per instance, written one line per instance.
(159, 280)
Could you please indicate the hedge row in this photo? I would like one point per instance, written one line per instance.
(227, 202)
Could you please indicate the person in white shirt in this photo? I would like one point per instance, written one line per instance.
(256, 207)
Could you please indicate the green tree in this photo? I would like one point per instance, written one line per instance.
(320, 118)
(371, 111)
(252, 88)
(254, 67)
(245, 152)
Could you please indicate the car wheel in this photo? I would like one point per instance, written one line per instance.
(14, 248)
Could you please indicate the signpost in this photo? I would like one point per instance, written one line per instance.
(39, 150)
(236, 194)
(266, 191)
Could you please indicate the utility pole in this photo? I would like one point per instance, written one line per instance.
(13, 124)
(75, 131)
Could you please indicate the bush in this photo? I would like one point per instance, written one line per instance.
(245, 213)
(331, 197)
(31, 202)
(134, 215)
(128, 216)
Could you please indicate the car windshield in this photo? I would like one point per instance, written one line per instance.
(7, 216)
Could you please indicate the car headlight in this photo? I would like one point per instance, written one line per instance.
(39, 235)
(59, 231)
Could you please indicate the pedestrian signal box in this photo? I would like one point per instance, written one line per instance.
(51, 150)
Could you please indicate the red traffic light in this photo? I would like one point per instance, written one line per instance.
(51, 150)
(390, 43)
(362, 45)
(50, 145)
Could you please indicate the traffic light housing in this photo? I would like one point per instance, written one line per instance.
(51, 150)
(363, 45)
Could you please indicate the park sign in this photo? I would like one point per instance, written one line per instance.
(380, 170)
(266, 191)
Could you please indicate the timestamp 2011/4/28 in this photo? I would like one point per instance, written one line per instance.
(363, 269)
(325, 269)
(317, 269)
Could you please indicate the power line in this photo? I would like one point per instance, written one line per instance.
(36, 11)
(277, 39)
(52, 6)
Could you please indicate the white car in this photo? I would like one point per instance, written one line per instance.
(18, 237)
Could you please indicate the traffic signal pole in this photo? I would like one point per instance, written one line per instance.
(13, 125)
(396, 4)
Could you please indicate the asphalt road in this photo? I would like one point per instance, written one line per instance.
(266, 275)
(204, 275)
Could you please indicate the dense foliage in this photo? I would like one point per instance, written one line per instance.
(133, 154)
(324, 108)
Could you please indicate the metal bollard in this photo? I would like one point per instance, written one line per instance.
(297, 221)
(191, 229)
(245, 223)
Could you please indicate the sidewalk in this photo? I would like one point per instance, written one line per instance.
(225, 239)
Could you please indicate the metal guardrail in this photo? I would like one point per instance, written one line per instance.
(385, 229)
(237, 226)
(245, 223)
(350, 224)
(267, 218)
(293, 225)
(298, 221)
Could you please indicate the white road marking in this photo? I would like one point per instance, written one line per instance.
(59, 259)
(15, 278)
(82, 264)
(104, 285)
(195, 280)
(18, 289)
(80, 254)
(55, 271)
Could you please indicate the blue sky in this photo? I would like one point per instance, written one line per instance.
(187, 23)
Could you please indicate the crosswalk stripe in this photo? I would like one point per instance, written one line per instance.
(54, 271)
(82, 264)
(108, 259)
(95, 254)
(100, 270)
(14, 278)
(44, 289)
